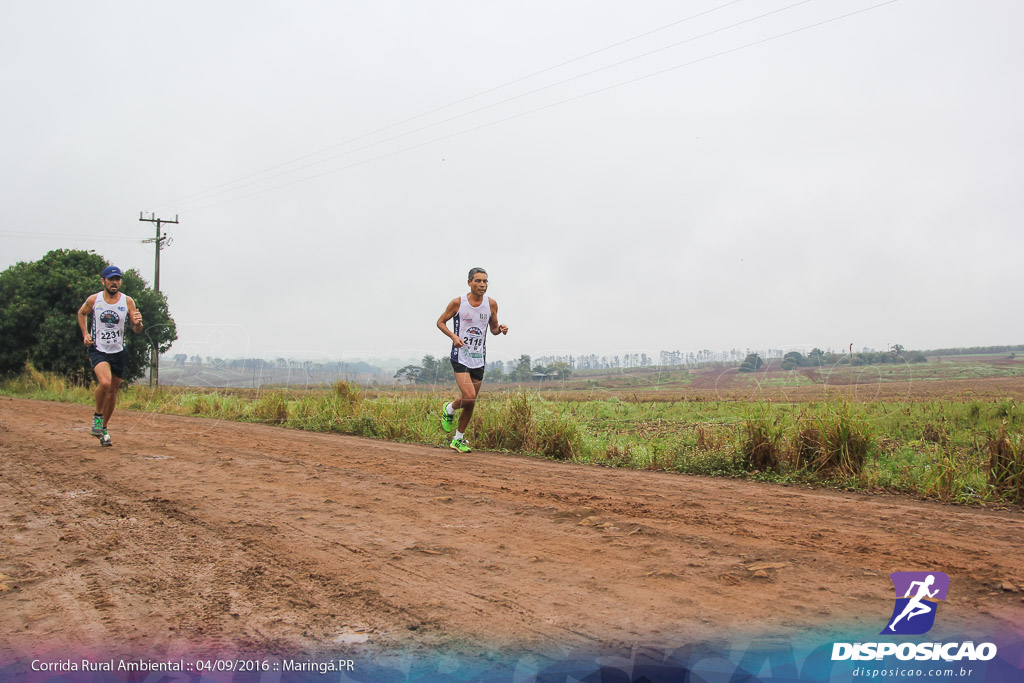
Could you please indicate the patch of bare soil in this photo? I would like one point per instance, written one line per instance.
(193, 534)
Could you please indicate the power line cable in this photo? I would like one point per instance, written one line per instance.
(56, 235)
(498, 103)
(558, 103)
(452, 104)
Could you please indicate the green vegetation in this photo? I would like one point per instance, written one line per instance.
(432, 371)
(39, 316)
(977, 350)
(957, 451)
(818, 358)
(751, 363)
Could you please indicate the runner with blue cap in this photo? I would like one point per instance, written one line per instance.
(110, 310)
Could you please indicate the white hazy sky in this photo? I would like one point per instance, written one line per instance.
(857, 181)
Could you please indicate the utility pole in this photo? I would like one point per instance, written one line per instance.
(159, 242)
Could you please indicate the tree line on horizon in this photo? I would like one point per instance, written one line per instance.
(436, 369)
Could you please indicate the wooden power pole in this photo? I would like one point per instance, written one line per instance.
(159, 242)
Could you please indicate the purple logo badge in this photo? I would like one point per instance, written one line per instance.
(917, 596)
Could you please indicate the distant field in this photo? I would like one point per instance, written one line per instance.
(211, 376)
(984, 377)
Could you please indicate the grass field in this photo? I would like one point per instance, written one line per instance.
(953, 433)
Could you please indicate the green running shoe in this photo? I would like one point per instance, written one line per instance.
(105, 439)
(460, 445)
(97, 426)
(447, 421)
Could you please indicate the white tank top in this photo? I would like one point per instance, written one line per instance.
(471, 325)
(108, 323)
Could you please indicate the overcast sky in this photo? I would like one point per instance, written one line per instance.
(746, 185)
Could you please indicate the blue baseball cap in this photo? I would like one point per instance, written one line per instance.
(111, 271)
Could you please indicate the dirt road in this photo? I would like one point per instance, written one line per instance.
(198, 534)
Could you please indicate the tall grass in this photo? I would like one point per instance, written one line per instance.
(1006, 464)
(823, 440)
(512, 427)
(762, 444)
(836, 439)
(46, 385)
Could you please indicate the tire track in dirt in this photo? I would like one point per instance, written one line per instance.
(197, 572)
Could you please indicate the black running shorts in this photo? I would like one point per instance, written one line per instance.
(118, 361)
(474, 373)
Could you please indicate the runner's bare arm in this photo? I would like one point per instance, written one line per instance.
(83, 319)
(442, 323)
(134, 316)
(495, 327)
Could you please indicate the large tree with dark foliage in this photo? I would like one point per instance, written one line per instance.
(39, 305)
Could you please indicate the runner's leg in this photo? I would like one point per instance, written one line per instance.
(108, 407)
(467, 389)
(103, 378)
(467, 413)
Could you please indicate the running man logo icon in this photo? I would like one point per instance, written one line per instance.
(917, 596)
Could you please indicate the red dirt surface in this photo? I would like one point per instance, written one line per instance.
(193, 534)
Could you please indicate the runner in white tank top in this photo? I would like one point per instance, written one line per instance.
(108, 323)
(471, 327)
(110, 310)
(474, 313)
